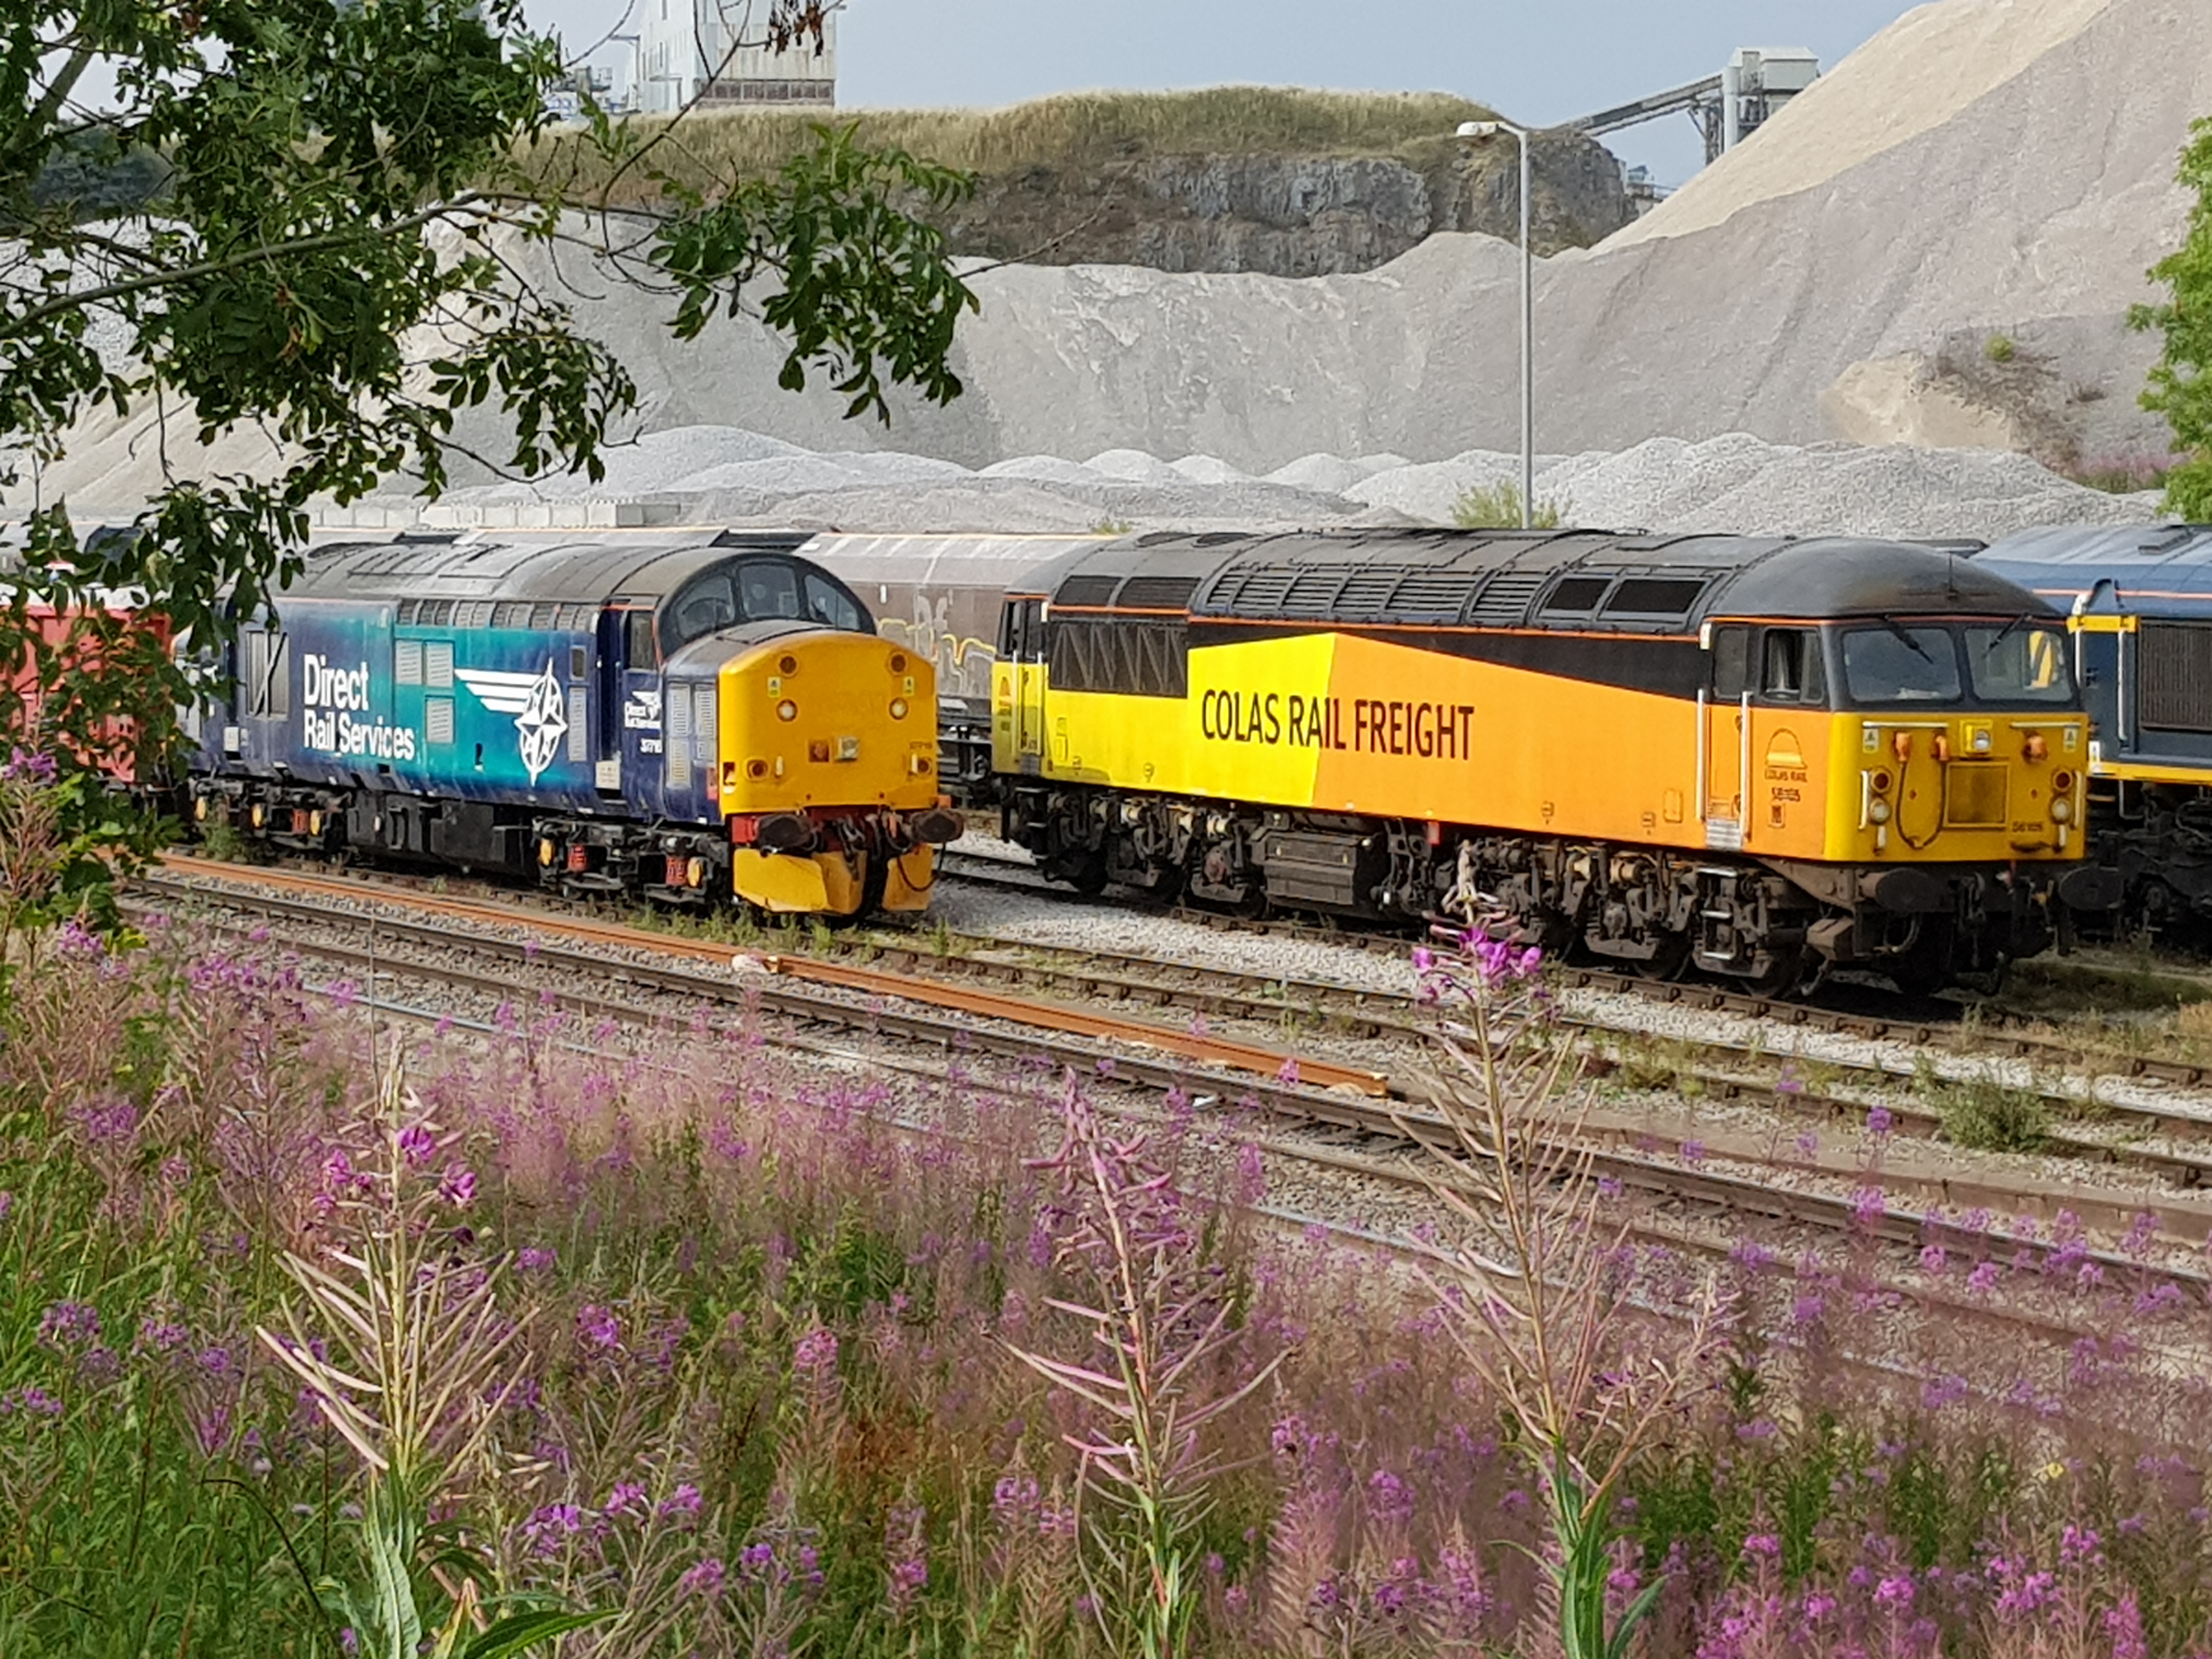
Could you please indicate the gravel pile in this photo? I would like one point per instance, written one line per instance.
(1733, 482)
(1982, 168)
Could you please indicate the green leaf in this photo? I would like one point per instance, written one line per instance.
(521, 1631)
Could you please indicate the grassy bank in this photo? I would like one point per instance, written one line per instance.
(299, 1316)
(1074, 132)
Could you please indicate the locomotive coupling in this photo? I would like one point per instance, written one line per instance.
(2092, 887)
(784, 832)
(937, 825)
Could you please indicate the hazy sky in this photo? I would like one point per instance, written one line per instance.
(1536, 60)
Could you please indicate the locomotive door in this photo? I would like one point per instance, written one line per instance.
(636, 749)
(1025, 646)
(1724, 739)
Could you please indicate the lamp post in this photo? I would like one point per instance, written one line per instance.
(1476, 131)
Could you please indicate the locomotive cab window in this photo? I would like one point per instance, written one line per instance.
(705, 605)
(1731, 663)
(1896, 663)
(639, 639)
(771, 591)
(1789, 665)
(2018, 662)
(832, 606)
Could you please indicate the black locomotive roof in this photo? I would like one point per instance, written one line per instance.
(1577, 579)
(564, 566)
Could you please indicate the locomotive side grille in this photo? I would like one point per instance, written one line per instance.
(407, 662)
(2176, 681)
(1505, 601)
(580, 747)
(1157, 593)
(1367, 590)
(1313, 593)
(1258, 594)
(1974, 795)
(438, 719)
(438, 664)
(1086, 590)
(702, 724)
(679, 738)
(511, 613)
(1433, 596)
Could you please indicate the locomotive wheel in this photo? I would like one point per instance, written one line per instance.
(1669, 962)
(1088, 878)
(1785, 976)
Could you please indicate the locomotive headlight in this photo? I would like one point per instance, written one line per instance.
(786, 710)
(1879, 813)
(695, 873)
(315, 824)
(899, 708)
(2060, 810)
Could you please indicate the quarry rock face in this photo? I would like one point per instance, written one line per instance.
(1291, 216)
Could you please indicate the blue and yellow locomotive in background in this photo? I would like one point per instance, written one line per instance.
(671, 715)
(2138, 603)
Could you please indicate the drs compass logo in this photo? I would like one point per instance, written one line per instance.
(535, 700)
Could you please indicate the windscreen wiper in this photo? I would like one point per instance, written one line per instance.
(1912, 644)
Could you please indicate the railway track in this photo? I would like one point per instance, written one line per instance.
(1363, 1110)
(1952, 1036)
(496, 981)
(1714, 1067)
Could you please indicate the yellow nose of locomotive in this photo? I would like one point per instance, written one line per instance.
(828, 720)
(2008, 788)
(829, 773)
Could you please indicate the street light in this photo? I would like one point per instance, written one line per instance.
(1476, 131)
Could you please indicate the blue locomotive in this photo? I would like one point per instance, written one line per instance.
(678, 715)
(2138, 601)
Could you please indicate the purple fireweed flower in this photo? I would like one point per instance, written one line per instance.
(1880, 1122)
(1762, 1545)
(107, 1121)
(2124, 1628)
(215, 1360)
(68, 1325)
(1895, 1591)
(29, 1402)
(2080, 1544)
(597, 1327)
(458, 1186)
(1806, 1310)
(27, 766)
(815, 1353)
(1789, 1082)
(1933, 1259)
(1983, 1279)
(530, 1259)
(1389, 1497)
(683, 1501)
(1940, 1391)
(416, 1145)
(1869, 1205)
(1425, 959)
(7, 1204)
(349, 1642)
(1693, 1151)
(626, 1497)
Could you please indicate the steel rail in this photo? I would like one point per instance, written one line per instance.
(1390, 1123)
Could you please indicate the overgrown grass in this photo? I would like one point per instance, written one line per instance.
(1987, 1116)
(1071, 132)
(756, 1389)
(1498, 506)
